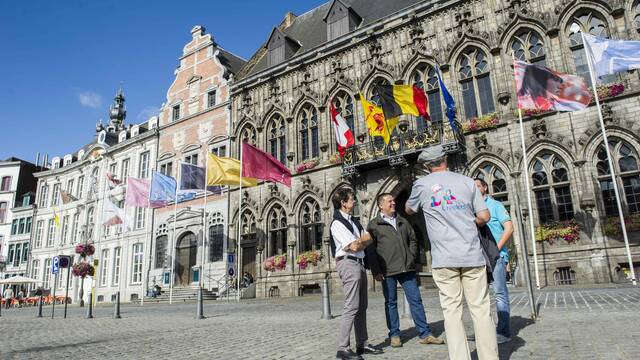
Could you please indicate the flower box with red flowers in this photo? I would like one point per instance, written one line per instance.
(307, 165)
(488, 121)
(273, 263)
(568, 231)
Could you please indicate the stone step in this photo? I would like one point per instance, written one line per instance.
(182, 295)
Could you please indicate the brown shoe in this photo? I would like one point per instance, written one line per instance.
(431, 340)
(396, 342)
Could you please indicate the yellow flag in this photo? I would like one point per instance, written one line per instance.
(377, 124)
(56, 218)
(226, 171)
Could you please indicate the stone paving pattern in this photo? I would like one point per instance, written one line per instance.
(574, 323)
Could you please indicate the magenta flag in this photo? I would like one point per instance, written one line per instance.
(258, 164)
(137, 192)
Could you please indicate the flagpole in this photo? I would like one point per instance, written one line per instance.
(99, 243)
(610, 162)
(525, 166)
(239, 254)
(204, 219)
(173, 243)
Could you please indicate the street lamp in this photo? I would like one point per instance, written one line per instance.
(83, 268)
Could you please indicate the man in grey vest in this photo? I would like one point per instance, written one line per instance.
(453, 208)
(350, 240)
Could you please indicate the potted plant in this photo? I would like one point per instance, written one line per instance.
(307, 258)
(276, 262)
(568, 231)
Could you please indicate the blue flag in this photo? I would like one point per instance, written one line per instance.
(163, 190)
(612, 56)
(192, 177)
(449, 102)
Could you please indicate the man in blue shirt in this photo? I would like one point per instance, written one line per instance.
(501, 228)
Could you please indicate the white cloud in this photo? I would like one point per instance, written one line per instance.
(147, 112)
(90, 99)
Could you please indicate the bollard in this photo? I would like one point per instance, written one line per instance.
(200, 310)
(116, 310)
(90, 307)
(326, 300)
(406, 309)
(40, 307)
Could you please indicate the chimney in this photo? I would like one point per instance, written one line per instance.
(37, 158)
(288, 20)
(45, 164)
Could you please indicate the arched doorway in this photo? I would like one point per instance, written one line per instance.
(186, 253)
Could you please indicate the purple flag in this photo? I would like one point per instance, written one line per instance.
(137, 192)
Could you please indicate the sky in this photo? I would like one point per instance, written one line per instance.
(62, 61)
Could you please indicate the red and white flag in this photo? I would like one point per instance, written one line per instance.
(112, 180)
(344, 135)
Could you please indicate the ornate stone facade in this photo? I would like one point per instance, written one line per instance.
(281, 106)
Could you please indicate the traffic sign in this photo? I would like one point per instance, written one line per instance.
(231, 272)
(55, 265)
(230, 258)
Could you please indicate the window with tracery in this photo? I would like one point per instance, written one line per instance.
(424, 76)
(310, 226)
(344, 105)
(625, 163)
(248, 135)
(475, 82)
(308, 128)
(248, 234)
(589, 22)
(552, 188)
(497, 181)
(277, 233)
(277, 138)
(527, 46)
(216, 237)
(636, 15)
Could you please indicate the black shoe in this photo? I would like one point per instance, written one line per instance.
(368, 349)
(348, 355)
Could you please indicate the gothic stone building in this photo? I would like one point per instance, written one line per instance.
(344, 47)
(194, 122)
(123, 256)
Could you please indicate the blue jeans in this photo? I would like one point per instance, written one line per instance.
(410, 285)
(502, 296)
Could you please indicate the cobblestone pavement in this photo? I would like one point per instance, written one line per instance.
(574, 323)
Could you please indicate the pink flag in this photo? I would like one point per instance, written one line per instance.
(137, 192)
(258, 164)
(344, 135)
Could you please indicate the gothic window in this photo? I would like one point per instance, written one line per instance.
(277, 141)
(375, 98)
(248, 227)
(216, 238)
(247, 134)
(161, 251)
(277, 236)
(344, 106)
(497, 181)
(552, 188)
(425, 77)
(636, 15)
(310, 226)
(475, 82)
(625, 163)
(592, 23)
(308, 123)
(527, 46)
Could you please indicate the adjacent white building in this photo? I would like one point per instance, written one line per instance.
(121, 256)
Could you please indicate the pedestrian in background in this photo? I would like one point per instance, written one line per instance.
(453, 207)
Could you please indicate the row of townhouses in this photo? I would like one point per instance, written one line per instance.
(278, 100)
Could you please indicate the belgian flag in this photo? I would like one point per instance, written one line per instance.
(403, 99)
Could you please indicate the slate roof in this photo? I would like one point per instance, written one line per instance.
(233, 62)
(310, 29)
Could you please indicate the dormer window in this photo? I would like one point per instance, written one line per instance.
(280, 47)
(340, 20)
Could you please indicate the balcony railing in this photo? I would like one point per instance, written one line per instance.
(403, 146)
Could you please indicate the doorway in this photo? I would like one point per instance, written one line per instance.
(186, 253)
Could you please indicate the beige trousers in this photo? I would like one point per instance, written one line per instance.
(472, 282)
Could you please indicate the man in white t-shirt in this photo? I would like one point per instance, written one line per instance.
(453, 208)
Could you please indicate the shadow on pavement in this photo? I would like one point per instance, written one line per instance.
(507, 349)
(437, 328)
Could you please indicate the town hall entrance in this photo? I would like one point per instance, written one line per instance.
(186, 253)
